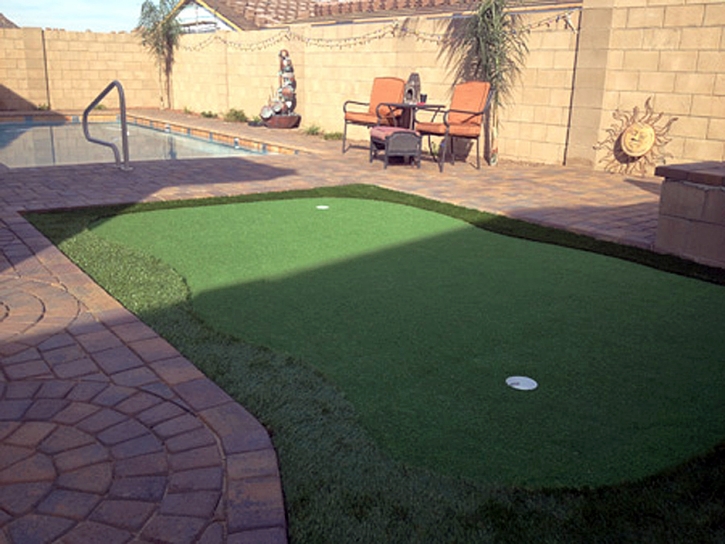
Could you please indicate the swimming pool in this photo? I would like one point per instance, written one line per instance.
(25, 145)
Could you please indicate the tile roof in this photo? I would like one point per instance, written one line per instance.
(325, 9)
(6, 23)
(253, 14)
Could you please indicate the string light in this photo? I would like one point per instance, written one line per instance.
(391, 30)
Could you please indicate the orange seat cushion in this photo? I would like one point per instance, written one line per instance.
(470, 96)
(381, 133)
(363, 118)
(469, 130)
(431, 128)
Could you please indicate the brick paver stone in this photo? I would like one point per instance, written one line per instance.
(91, 531)
(176, 529)
(124, 514)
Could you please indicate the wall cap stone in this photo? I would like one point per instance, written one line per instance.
(706, 172)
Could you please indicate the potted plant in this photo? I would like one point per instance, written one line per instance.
(490, 45)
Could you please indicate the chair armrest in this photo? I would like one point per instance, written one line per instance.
(392, 112)
(353, 102)
(432, 108)
(471, 115)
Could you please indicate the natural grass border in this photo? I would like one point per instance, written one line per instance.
(339, 487)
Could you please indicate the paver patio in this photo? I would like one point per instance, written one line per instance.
(106, 432)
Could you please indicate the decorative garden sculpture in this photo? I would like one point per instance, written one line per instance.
(279, 111)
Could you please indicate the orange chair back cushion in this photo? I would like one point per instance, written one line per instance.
(469, 96)
(386, 89)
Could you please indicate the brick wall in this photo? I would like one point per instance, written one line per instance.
(672, 51)
(66, 70)
(624, 52)
(22, 69)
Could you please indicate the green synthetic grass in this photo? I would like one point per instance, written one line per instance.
(339, 486)
(419, 318)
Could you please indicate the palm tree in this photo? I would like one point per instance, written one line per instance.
(491, 45)
(160, 34)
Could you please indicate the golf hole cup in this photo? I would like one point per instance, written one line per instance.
(521, 383)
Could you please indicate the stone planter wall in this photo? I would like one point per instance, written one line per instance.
(692, 212)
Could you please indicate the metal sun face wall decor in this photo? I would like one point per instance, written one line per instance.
(635, 144)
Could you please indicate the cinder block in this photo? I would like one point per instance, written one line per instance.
(664, 2)
(631, 3)
(663, 82)
(702, 150)
(702, 38)
(641, 60)
(711, 61)
(688, 15)
(546, 152)
(645, 17)
(674, 104)
(716, 129)
(663, 39)
(627, 39)
(706, 243)
(681, 199)
(678, 61)
(720, 83)
(623, 80)
(690, 127)
(714, 209)
(695, 83)
(537, 132)
(671, 236)
(556, 134)
(553, 78)
(714, 14)
(619, 18)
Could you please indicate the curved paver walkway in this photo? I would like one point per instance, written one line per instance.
(107, 434)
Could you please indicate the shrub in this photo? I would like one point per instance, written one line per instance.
(332, 136)
(236, 116)
(209, 114)
(313, 130)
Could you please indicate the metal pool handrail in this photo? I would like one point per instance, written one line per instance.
(124, 133)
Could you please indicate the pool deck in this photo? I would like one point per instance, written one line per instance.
(106, 432)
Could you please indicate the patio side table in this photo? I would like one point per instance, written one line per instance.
(395, 142)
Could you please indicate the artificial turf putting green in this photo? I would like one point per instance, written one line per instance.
(419, 318)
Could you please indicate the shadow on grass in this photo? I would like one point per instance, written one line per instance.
(421, 337)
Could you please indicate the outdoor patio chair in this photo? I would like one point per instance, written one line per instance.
(469, 104)
(385, 89)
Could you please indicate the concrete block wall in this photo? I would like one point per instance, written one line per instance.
(534, 126)
(672, 51)
(22, 69)
(66, 70)
(81, 64)
(624, 52)
(691, 222)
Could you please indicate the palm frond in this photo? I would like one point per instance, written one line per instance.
(160, 33)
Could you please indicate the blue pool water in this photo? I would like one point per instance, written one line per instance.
(27, 145)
